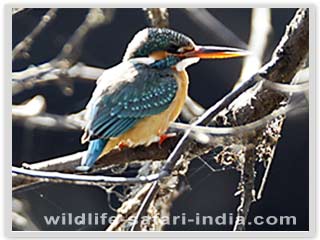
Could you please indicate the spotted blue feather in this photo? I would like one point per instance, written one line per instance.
(117, 106)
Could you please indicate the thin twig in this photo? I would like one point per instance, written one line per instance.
(246, 188)
(30, 108)
(191, 110)
(238, 130)
(22, 48)
(144, 205)
(210, 24)
(71, 50)
(260, 31)
(44, 74)
(158, 17)
(18, 10)
(83, 179)
(68, 56)
(129, 208)
(264, 179)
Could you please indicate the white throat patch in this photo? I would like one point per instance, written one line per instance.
(181, 66)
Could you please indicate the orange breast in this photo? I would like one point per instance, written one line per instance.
(149, 129)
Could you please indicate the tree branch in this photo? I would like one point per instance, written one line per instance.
(260, 31)
(285, 63)
(68, 56)
(22, 48)
(158, 17)
(212, 25)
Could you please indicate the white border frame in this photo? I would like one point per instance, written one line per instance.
(171, 234)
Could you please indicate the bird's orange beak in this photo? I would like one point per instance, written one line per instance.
(213, 52)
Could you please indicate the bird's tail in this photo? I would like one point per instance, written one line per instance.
(94, 150)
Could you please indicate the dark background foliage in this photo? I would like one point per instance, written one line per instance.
(286, 191)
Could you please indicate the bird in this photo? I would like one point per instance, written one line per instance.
(135, 101)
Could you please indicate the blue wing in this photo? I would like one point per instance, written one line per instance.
(125, 95)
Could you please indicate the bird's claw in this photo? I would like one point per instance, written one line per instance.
(164, 137)
(122, 145)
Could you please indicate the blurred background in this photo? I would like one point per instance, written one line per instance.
(286, 192)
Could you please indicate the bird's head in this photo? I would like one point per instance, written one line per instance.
(169, 48)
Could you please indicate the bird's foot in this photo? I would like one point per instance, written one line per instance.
(164, 137)
(122, 145)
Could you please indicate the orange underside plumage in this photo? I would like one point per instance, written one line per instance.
(151, 128)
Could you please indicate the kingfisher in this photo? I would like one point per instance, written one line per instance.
(135, 101)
